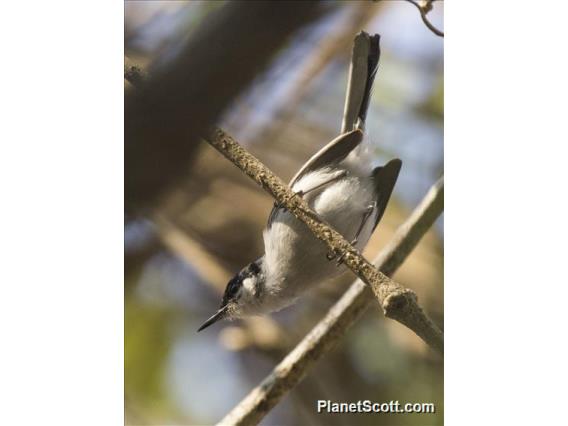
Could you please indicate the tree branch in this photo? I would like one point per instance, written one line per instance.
(398, 303)
(425, 6)
(327, 333)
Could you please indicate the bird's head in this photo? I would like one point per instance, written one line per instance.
(242, 295)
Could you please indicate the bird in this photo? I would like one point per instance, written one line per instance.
(341, 186)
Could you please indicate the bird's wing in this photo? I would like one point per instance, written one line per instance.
(385, 178)
(334, 152)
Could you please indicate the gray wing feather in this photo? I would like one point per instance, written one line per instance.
(333, 153)
(385, 178)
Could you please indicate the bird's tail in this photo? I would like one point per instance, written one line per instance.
(364, 65)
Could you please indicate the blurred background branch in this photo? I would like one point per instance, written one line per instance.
(164, 118)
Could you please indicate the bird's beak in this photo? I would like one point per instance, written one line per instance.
(219, 315)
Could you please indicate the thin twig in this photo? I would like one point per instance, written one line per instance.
(424, 7)
(398, 303)
(327, 333)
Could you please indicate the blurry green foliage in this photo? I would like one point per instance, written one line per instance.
(434, 105)
(146, 346)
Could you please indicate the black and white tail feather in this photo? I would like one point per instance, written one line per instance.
(340, 186)
(362, 72)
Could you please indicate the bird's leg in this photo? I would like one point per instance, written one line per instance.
(366, 215)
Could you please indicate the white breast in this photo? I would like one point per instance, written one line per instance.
(295, 259)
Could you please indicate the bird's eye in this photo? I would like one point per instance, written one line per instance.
(232, 288)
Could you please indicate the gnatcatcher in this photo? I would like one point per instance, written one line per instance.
(341, 186)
